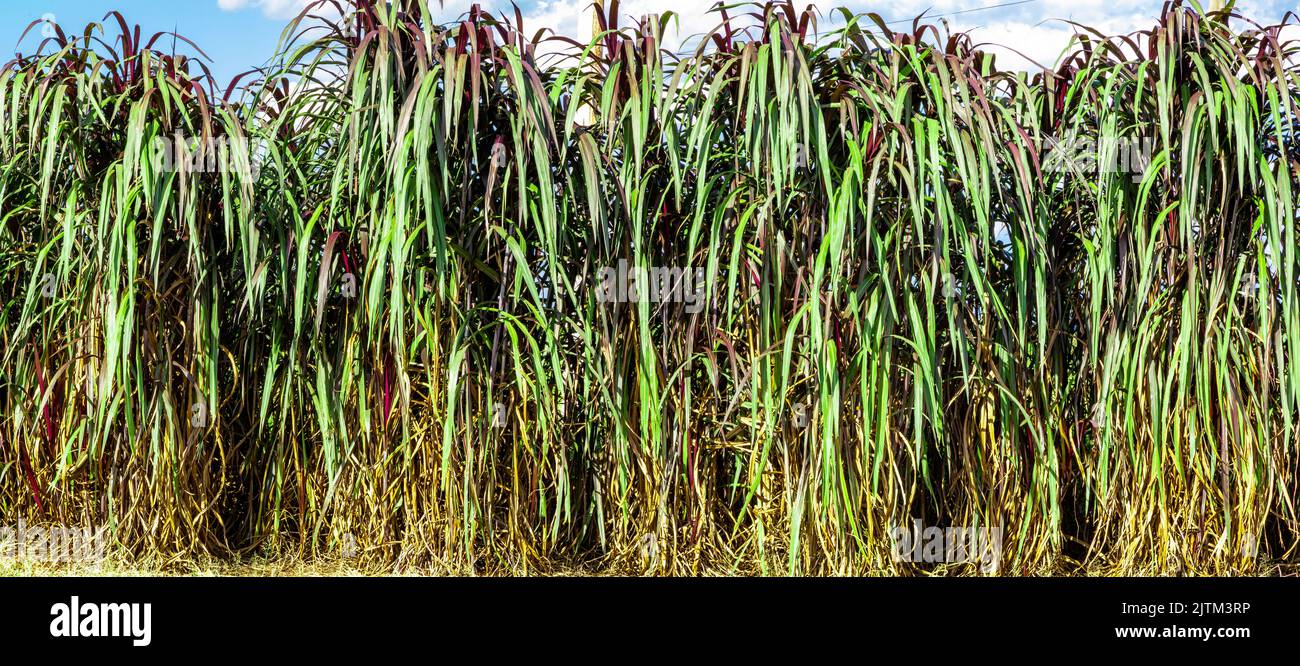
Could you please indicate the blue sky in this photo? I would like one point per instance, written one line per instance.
(241, 34)
(235, 40)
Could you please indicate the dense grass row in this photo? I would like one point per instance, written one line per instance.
(391, 336)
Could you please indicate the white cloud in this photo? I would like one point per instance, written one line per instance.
(449, 10)
(1037, 31)
(280, 9)
(1040, 29)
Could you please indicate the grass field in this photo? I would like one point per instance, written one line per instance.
(383, 298)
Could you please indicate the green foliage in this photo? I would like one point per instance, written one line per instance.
(391, 333)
